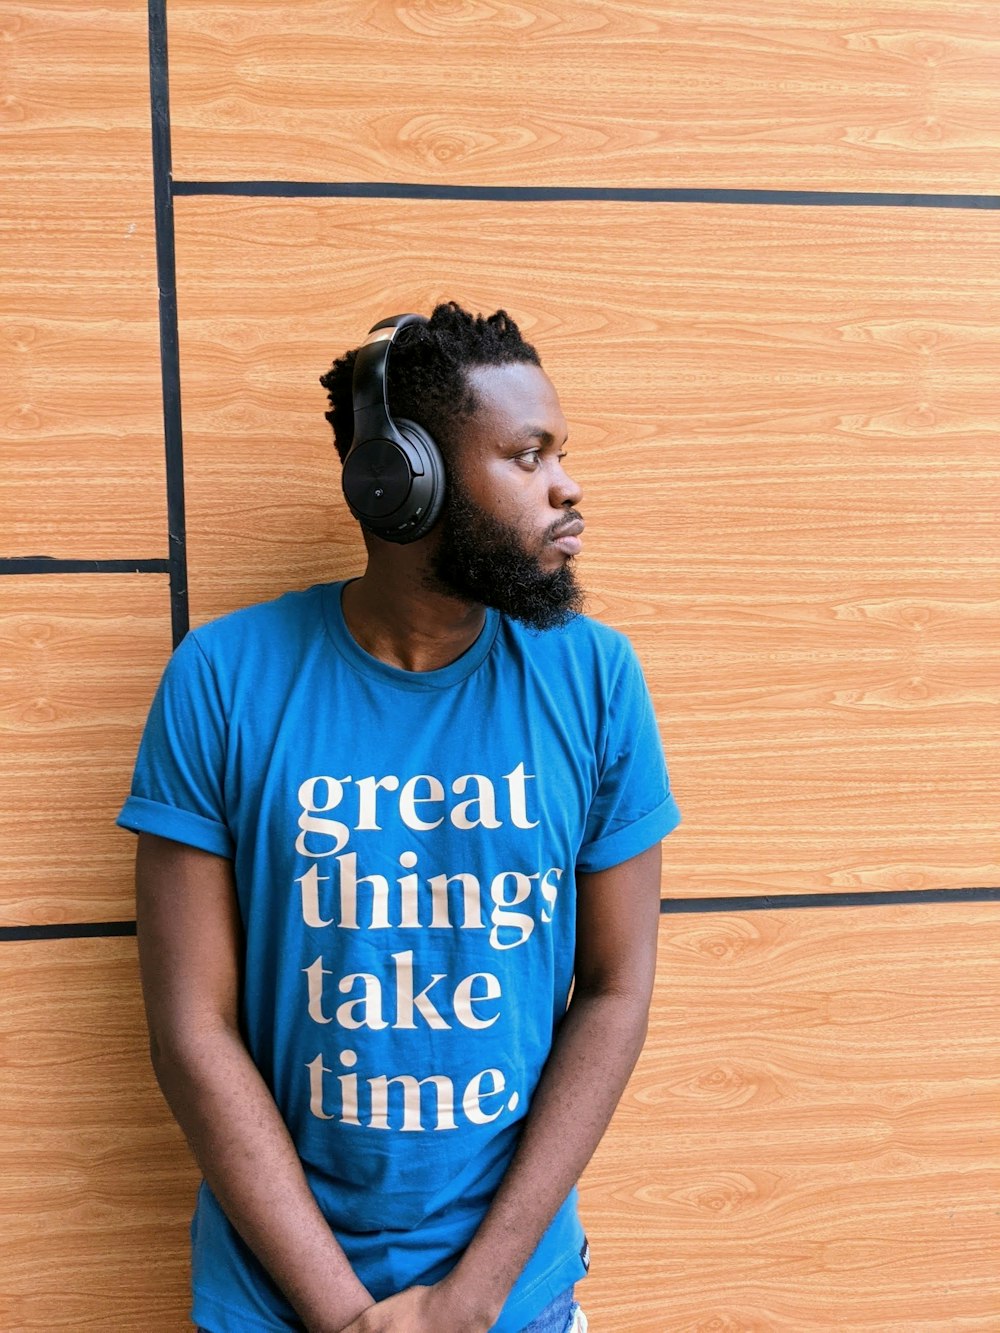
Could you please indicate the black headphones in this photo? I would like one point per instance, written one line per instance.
(393, 476)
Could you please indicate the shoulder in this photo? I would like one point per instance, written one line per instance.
(264, 626)
(587, 665)
(251, 652)
(581, 644)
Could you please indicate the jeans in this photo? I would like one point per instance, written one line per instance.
(559, 1317)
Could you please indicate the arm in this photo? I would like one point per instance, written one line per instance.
(190, 949)
(592, 1057)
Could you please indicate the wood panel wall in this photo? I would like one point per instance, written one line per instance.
(784, 412)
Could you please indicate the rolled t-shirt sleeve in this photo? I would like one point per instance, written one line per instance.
(634, 807)
(178, 784)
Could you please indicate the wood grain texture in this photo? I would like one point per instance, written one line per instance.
(784, 422)
(98, 1184)
(810, 1139)
(80, 405)
(81, 658)
(806, 94)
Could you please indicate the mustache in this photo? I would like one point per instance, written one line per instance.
(570, 517)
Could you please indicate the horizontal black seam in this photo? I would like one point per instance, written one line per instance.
(860, 898)
(47, 564)
(668, 906)
(562, 193)
(69, 930)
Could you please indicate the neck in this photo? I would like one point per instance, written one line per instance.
(393, 615)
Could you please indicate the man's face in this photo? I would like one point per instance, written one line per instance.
(509, 529)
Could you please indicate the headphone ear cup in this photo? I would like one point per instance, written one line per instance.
(377, 481)
(393, 476)
(427, 494)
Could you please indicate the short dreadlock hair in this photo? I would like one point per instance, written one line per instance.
(427, 381)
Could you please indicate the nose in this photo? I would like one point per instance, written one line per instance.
(564, 492)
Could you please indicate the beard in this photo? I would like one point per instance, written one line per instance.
(481, 559)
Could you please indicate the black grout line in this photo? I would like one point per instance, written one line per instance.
(406, 190)
(72, 930)
(47, 564)
(784, 901)
(668, 907)
(166, 270)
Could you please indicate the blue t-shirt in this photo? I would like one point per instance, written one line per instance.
(405, 847)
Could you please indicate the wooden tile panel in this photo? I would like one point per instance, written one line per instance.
(784, 421)
(810, 1139)
(80, 402)
(81, 658)
(808, 94)
(98, 1184)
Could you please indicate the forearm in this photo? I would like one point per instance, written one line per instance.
(246, 1154)
(593, 1055)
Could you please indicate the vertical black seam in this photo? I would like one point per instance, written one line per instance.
(166, 272)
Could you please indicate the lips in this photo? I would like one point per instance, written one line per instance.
(567, 538)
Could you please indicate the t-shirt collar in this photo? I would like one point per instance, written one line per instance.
(376, 669)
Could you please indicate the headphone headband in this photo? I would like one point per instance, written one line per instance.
(369, 383)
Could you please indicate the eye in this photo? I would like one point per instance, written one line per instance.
(530, 459)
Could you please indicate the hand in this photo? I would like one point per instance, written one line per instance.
(437, 1309)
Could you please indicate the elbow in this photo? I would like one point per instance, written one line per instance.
(182, 1055)
(621, 1008)
(155, 1053)
(170, 1066)
(167, 1059)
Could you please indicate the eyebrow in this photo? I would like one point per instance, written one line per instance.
(539, 433)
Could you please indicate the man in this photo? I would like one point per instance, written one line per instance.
(387, 827)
